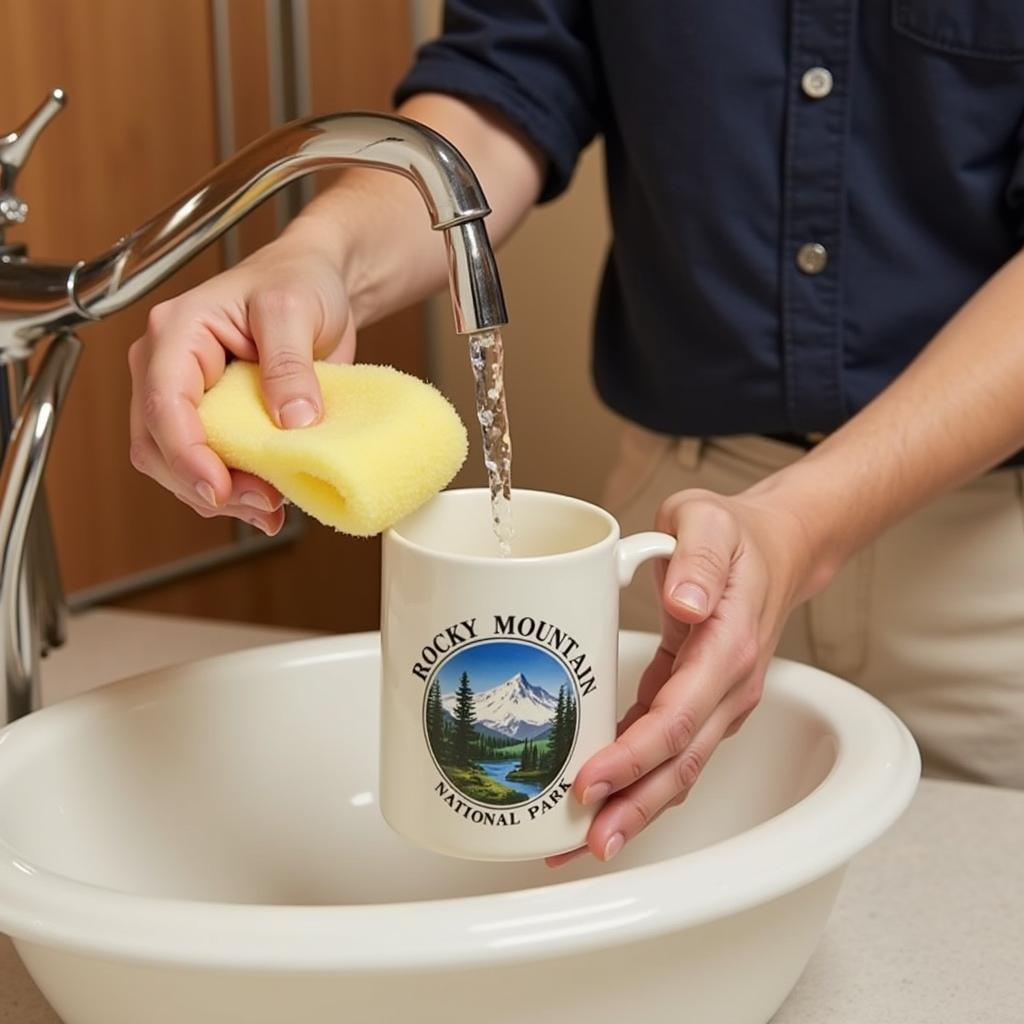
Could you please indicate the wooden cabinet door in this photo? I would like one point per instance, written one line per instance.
(152, 87)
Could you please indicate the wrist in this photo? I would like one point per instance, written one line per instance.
(313, 234)
(372, 228)
(314, 238)
(811, 523)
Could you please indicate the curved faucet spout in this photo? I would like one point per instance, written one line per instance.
(37, 298)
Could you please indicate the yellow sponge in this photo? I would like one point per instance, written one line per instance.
(387, 443)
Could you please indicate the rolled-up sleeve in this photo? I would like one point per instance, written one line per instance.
(533, 60)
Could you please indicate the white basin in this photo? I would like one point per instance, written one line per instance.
(202, 845)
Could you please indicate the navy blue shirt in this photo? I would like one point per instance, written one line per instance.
(802, 191)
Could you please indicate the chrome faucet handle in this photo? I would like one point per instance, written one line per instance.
(14, 150)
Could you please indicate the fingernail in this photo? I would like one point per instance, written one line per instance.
(613, 846)
(689, 595)
(255, 500)
(595, 793)
(259, 524)
(299, 412)
(205, 491)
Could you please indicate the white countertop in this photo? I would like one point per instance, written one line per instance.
(928, 929)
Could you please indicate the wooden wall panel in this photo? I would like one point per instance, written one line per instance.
(325, 581)
(138, 129)
(358, 53)
(250, 86)
(141, 126)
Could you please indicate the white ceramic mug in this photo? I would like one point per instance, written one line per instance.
(499, 674)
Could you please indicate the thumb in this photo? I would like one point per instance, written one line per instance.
(698, 572)
(285, 325)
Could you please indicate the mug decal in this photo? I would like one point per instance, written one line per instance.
(501, 718)
(499, 676)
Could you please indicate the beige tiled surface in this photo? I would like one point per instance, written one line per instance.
(929, 927)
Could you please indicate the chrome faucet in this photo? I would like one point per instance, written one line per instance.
(42, 301)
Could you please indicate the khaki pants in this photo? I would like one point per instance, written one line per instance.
(929, 618)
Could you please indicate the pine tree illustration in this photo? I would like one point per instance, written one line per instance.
(555, 738)
(465, 716)
(435, 719)
(568, 724)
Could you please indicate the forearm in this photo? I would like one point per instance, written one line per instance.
(375, 227)
(955, 412)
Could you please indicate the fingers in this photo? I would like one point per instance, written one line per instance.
(193, 473)
(632, 810)
(633, 775)
(269, 523)
(282, 306)
(167, 438)
(264, 511)
(653, 678)
(285, 326)
(713, 659)
(251, 492)
(564, 858)
(708, 536)
(700, 684)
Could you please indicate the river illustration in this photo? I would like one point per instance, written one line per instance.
(499, 770)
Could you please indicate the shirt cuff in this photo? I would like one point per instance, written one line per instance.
(542, 125)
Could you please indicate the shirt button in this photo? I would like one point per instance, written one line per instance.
(812, 258)
(816, 83)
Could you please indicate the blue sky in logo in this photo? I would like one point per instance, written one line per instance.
(492, 662)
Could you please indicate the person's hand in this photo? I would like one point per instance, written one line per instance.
(283, 306)
(741, 565)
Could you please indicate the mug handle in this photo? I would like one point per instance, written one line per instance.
(632, 552)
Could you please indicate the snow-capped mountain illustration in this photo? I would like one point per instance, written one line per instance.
(514, 708)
